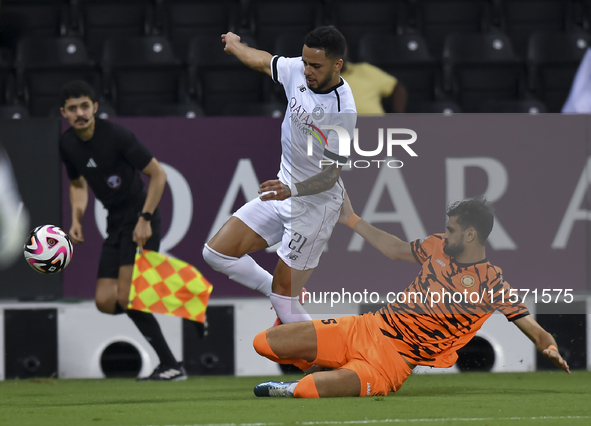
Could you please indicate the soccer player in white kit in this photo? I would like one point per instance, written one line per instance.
(302, 206)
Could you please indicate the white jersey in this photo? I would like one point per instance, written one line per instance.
(306, 112)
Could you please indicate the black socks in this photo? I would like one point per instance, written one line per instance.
(149, 327)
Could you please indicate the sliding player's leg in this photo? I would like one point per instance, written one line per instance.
(321, 342)
(364, 365)
(288, 344)
(329, 384)
(323, 384)
(356, 378)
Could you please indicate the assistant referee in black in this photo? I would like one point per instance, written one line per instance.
(108, 158)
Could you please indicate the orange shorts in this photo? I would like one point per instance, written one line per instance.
(357, 344)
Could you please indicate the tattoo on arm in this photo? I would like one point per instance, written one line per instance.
(323, 181)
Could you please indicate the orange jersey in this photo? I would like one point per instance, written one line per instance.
(446, 305)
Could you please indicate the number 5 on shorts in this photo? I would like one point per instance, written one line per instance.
(329, 321)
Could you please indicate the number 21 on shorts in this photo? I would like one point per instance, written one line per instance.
(297, 242)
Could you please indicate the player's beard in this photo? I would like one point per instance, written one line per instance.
(324, 85)
(453, 251)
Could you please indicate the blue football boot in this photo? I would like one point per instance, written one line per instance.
(275, 389)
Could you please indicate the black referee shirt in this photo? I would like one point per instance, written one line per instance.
(110, 162)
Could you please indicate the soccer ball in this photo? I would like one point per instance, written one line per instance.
(49, 249)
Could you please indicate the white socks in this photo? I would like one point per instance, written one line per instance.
(243, 270)
(291, 388)
(247, 272)
(289, 309)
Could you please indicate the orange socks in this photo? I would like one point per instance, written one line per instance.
(261, 345)
(306, 388)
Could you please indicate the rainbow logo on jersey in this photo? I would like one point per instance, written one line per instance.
(317, 133)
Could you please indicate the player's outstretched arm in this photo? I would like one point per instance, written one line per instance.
(389, 245)
(543, 340)
(78, 201)
(258, 60)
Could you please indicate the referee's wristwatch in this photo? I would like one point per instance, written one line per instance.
(147, 216)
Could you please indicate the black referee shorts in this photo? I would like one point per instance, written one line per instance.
(119, 248)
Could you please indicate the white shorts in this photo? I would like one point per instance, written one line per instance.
(302, 227)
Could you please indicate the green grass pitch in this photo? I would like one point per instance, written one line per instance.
(545, 398)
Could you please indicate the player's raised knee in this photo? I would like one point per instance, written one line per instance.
(262, 346)
(216, 260)
(207, 254)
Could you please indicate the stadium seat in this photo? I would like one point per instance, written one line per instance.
(7, 86)
(105, 110)
(7, 81)
(479, 67)
(20, 18)
(187, 110)
(13, 112)
(218, 79)
(99, 20)
(289, 45)
(259, 109)
(434, 107)
(185, 19)
(521, 18)
(407, 58)
(268, 19)
(436, 19)
(43, 65)
(552, 60)
(140, 71)
(354, 19)
(530, 106)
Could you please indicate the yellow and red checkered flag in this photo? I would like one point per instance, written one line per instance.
(165, 285)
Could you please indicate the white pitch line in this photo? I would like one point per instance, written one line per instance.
(230, 424)
(446, 419)
(425, 420)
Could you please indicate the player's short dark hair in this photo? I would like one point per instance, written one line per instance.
(475, 212)
(76, 89)
(328, 38)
